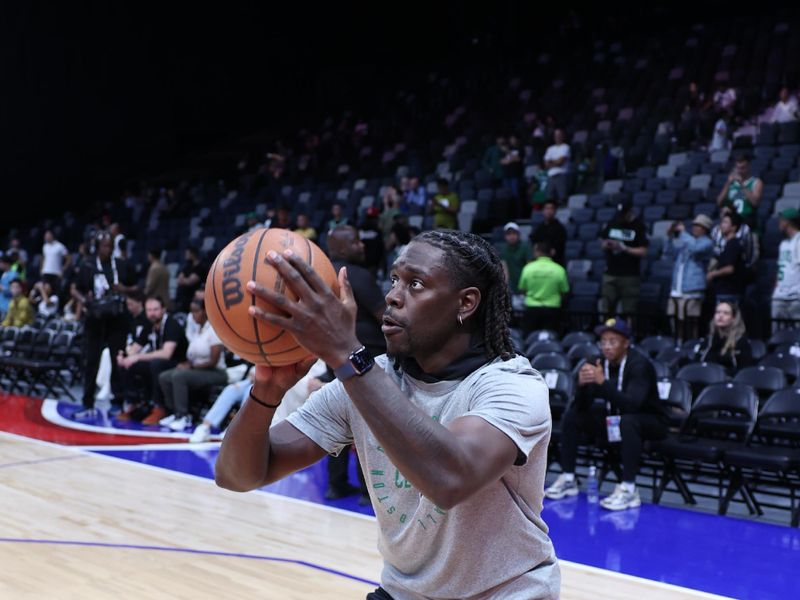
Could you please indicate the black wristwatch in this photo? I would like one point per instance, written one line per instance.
(359, 362)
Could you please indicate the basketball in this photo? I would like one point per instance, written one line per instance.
(228, 301)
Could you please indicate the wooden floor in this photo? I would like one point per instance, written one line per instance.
(120, 524)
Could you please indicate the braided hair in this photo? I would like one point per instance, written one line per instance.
(472, 261)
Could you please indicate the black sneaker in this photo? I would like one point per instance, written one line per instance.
(337, 493)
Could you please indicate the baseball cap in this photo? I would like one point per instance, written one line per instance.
(615, 324)
(790, 214)
(511, 225)
(704, 221)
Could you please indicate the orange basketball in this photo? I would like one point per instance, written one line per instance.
(227, 298)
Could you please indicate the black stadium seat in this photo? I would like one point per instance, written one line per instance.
(551, 360)
(787, 363)
(765, 380)
(700, 375)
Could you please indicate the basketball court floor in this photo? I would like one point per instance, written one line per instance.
(95, 510)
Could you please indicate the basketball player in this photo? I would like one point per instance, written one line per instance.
(451, 426)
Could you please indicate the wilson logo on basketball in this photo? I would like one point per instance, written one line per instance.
(232, 293)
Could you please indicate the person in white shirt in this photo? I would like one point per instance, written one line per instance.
(720, 139)
(44, 299)
(786, 109)
(786, 295)
(119, 238)
(203, 369)
(55, 260)
(556, 161)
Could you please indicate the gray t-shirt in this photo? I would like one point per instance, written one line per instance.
(492, 545)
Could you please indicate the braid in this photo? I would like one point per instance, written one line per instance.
(472, 261)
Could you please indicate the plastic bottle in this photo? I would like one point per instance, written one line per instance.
(592, 491)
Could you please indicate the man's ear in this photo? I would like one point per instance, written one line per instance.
(469, 300)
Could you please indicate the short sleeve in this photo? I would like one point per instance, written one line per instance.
(564, 282)
(324, 418)
(172, 331)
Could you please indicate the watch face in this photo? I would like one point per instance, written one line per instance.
(361, 360)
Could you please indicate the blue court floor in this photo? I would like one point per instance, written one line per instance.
(722, 555)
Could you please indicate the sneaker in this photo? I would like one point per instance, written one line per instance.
(180, 423)
(86, 413)
(202, 433)
(562, 487)
(621, 499)
(167, 420)
(337, 493)
(155, 416)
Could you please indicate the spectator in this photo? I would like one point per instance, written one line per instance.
(203, 369)
(17, 265)
(727, 342)
(556, 161)
(617, 403)
(786, 109)
(157, 282)
(544, 283)
(445, 206)
(624, 241)
(160, 347)
(137, 319)
(416, 198)
(119, 239)
(304, 228)
(786, 295)
(372, 237)
(744, 234)
(100, 286)
(252, 223)
(720, 140)
(726, 274)
(691, 254)
(552, 231)
(391, 208)
(337, 218)
(15, 248)
(5, 283)
(73, 309)
(724, 99)
(512, 166)
(55, 261)
(492, 160)
(20, 311)
(515, 254)
(44, 301)
(743, 191)
(190, 278)
(282, 219)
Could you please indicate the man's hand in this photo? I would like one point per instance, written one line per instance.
(274, 382)
(319, 320)
(126, 361)
(590, 373)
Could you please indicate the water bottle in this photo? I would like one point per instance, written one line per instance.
(592, 492)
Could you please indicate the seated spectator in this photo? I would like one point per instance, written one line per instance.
(190, 278)
(556, 161)
(743, 190)
(391, 207)
(786, 109)
(73, 309)
(691, 254)
(304, 228)
(44, 300)
(512, 166)
(6, 277)
(160, 347)
(157, 282)
(492, 160)
(20, 311)
(616, 403)
(727, 342)
(415, 196)
(17, 265)
(371, 235)
(747, 239)
(786, 295)
(544, 283)
(137, 318)
(252, 222)
(337, 217)
(515, 254)
(203, 369)
(624, 241)
(282, 219)
(726, 273)
(445, 206)
(551, 230)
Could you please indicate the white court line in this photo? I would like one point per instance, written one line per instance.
(578, 566)
(135, 447)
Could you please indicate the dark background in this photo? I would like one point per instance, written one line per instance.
(97, 95)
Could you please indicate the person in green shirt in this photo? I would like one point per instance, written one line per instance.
(544, 282)
(445, 206)
(743, 190)
(515, 254)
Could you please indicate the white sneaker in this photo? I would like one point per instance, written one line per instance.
(562, 487)
(167, 420)
(621, 499)
(180, 423)
(202, 433)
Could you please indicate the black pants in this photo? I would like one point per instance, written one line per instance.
(541, 317)
(99, 333)
(141, 380)
(337, 472)
(591, 423)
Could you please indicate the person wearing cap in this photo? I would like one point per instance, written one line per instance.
(616, 402)
(551, 230)
(624, 241)
(692, 254)
(544, 283)
(786, 296)
(515, 254)
(726, 274)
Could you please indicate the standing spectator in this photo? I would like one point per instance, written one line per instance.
(55, 261)
(20, 311)
(44, 300)
(748, 241)
(727, 274)
(551, 230)
(743, 190)
(512, 166)
(191, 278)
(544, 283)
(371, 236)
(492, 160)
(786, 296)
(416, 198)
(616, 402)
(119, 240)
(556, 161)
(624, 241)
(691, 254)
(5, 283)
(727, 342)
(157, 282)
(304, 228)
(515, 254)
(15, 248)
(786, 109)
(445, 206)
(720, 139)
(337, 218)
(17, 265)
(99, 287)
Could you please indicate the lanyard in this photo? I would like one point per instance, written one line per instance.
(621, 369)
